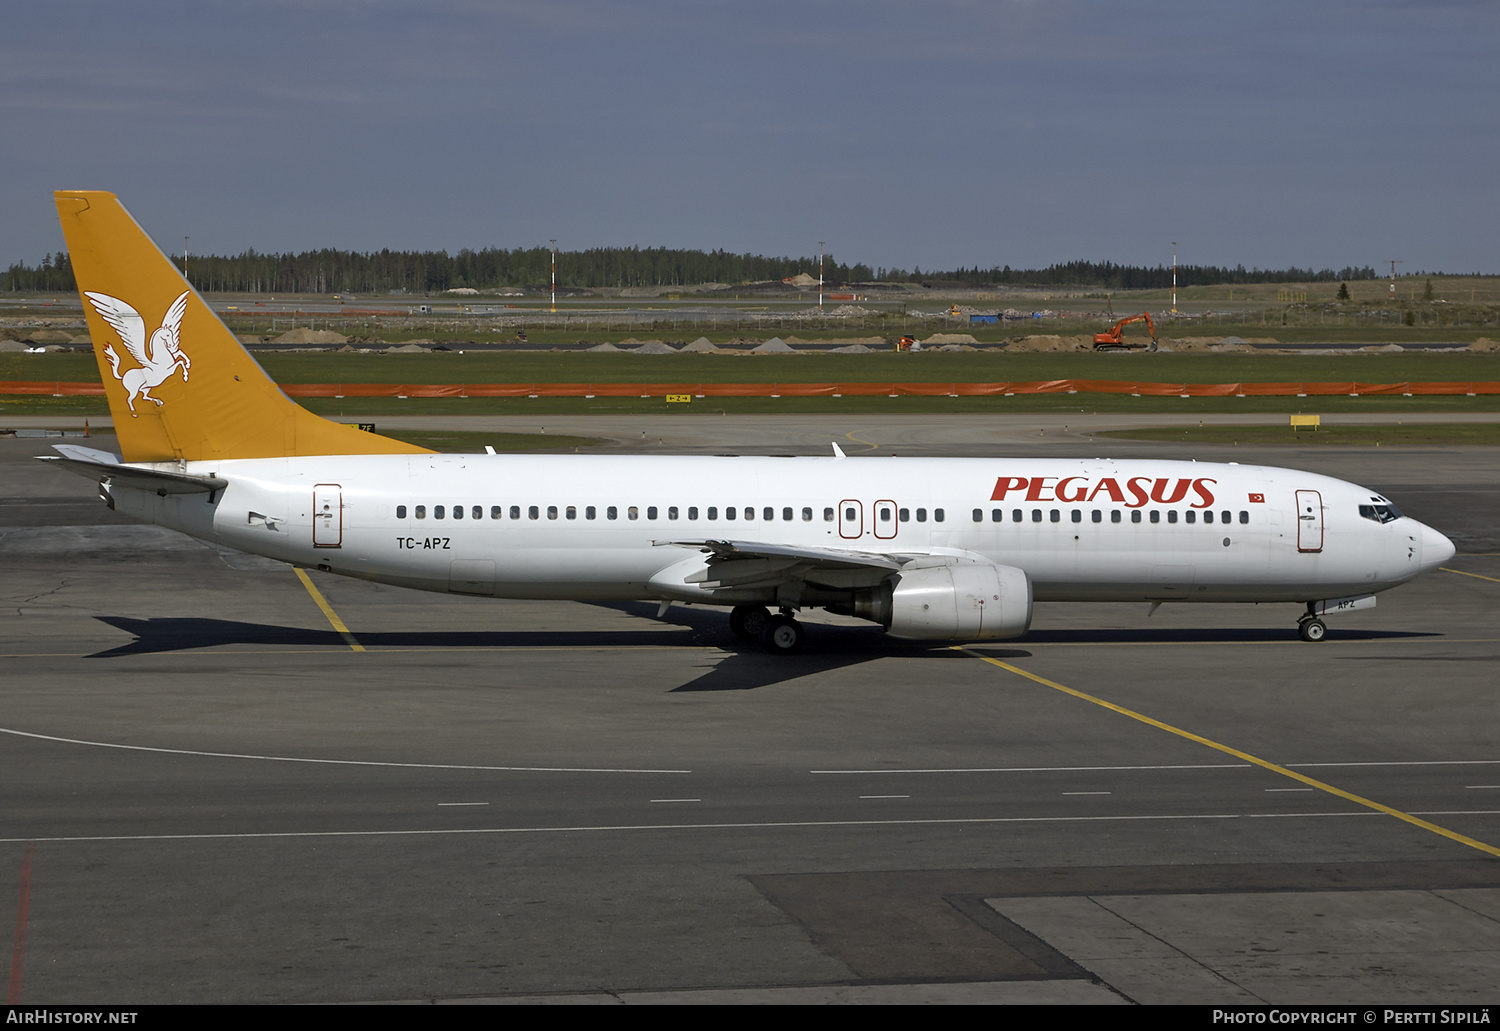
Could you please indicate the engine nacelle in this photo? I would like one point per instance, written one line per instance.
(960, 601)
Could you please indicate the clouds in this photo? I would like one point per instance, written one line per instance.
(935, 134)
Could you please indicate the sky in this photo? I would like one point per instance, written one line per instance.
(935, 134)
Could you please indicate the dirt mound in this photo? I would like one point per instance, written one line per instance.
(1484, 344)
(655, 347)
(303, 335)
(411, 348)
(949, 338)
(605, 348)
(852, 349)
(49, 336)
(775, 345)
(700, 346)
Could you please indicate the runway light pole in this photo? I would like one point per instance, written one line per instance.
(184, 256)
(554, 277)
(820, 275)
(1174, 277)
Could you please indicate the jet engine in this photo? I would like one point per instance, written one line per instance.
(946, 600)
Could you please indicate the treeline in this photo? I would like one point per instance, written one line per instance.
(428, 272)
(1110, 276)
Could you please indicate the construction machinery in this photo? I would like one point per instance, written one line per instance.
(1113, 338)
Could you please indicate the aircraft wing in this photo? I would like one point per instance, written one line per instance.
(106, 467)
(745, 564)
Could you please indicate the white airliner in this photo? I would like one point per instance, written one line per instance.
(930, 549)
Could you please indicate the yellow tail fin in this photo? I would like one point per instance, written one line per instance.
(180, 386)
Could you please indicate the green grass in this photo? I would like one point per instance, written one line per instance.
(1390, 435)
(965, 366)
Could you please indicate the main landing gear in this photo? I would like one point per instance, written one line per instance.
(1310, 627)
(779, 634)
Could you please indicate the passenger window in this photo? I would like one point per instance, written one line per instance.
(937, 515)
(437, 511)
(1190, 516)
(478, 512)
(713, 513)
(494, 511)
(421, 511)
(632, 512)
(400, 511)
(515, 511)
(1224, 517)
(572, 512)
(1208, 516)
(996, 514)
(551, 511)
(921, 515)
(1077, 515)
(1056, 516)
(611, 512)
(1036, 515)
(979, 515)
(651, 512)
(770, 514)
(1114, 515)
(807, 515)
(1244, 517)
(850, 514)
(1135, 515)
(692, 512)
(885, 514)
(1015, 515)
(590, 512)
(1098, 516)
(728, 511)
(786, 515)
(1155, 516)
(828, 515)
(533, 512)
(458, 511)
(672, 512)
(1172, 515)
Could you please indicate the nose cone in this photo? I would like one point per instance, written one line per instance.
(1436, 549)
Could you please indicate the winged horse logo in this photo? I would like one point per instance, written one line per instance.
(158, 361)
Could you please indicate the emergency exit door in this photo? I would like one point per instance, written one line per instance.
(328, 516)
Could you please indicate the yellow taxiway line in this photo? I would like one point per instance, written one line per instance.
(1246, 756)
(333, 617)
(1476, 576)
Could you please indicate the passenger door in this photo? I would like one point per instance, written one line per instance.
(1309, 521)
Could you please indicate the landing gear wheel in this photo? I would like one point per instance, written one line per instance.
(747, 621)
(782, 635)
(1312, 629)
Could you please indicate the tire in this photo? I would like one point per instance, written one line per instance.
(782, 636)
(747, 621)
(1313, 630)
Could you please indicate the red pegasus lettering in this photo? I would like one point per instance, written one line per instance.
(1110, 487)
(1203, 492)
(1178, 493)
(1062, 486)
(1039, 484)
(1137, 491)
(1005, 485)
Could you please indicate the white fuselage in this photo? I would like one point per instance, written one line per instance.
(599, 527)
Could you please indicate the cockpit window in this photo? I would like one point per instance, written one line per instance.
(1380, 513)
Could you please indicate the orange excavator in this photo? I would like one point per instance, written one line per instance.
(1113, 338)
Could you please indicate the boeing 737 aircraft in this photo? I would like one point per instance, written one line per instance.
(930, 549)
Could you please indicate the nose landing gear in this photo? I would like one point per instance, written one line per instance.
(1310, 627)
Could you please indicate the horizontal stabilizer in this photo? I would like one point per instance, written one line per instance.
(106, 467)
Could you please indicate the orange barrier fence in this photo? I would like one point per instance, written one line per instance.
(1056, 386)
